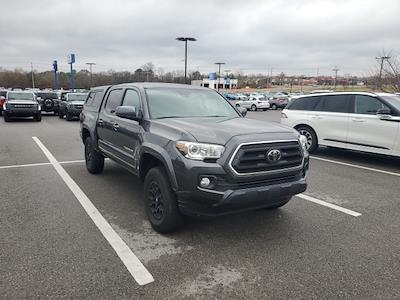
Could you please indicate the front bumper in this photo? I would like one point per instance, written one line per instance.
(20, 112)
(229, 194)
(74, 111)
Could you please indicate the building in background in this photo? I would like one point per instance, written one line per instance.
(212, 82)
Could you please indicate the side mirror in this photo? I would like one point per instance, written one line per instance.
(383, 111)
(2, 98)
(242, 111)
(128, 112)
(38, 98)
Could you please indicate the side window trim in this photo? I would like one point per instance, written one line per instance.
(108, 96)
(135, 90)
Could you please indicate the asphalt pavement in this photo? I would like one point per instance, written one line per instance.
(339, 240)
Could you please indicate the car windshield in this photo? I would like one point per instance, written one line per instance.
(20, 96)
(394, 100)
(186, 103)
(77, 97)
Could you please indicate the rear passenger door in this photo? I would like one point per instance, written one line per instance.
(106, 123)
(331, 119)
(367, 132)
(129, 131)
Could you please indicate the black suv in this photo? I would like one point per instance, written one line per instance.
(48, 101)
(196, 153)
(71, 105)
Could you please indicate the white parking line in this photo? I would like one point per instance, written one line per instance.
(128, 258)
(330, 205)
(356, 166)
(26, 165)
(42, 164)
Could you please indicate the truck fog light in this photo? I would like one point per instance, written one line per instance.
(205, 182)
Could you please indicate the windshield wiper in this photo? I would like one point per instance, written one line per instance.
(170, 117)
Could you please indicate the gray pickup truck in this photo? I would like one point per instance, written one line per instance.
(195, 152)
(21, 104)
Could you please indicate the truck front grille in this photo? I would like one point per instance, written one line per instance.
(254, 158)
(22, 105)
(78, 106)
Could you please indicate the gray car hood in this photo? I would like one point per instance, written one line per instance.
(76, 102)
(221, 130)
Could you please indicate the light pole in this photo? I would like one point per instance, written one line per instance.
(91, 73)
(336, 70)
(219, 72)
(186, 39)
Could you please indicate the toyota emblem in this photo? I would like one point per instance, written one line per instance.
(274, 155)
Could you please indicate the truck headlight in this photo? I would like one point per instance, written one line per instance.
(198, 151)
(303, 143)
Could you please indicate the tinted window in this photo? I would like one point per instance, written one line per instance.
(304, 103)
(334, 103)
(90, 98)
(114, 99)
(393, 100)
(98, 97)
(131, 98)
(367, 105)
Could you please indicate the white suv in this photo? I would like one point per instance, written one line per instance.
(367, 122)
(254, 103)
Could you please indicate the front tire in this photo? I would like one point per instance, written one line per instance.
(6, 117)
(160, 202)
(38, 117)
(253, 107)
(94, 160)
(274, 107)
(312, 140)
(69, 116)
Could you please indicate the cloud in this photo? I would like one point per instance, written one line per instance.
(295, 37)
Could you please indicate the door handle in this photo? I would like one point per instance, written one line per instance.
(358, 120)
(116, 126)
(100, 122)
(316, 117)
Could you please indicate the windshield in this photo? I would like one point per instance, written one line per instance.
(76, 97)
(394, 100)
(186, 103)
(48, 95)
(20, 96)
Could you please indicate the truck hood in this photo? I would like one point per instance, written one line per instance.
(221, 130)
(22, 101)
(76, 102)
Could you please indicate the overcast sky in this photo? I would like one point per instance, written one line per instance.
(291, 36)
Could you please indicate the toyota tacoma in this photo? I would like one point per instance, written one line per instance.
(196, 154)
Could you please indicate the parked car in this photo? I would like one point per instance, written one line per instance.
(48, 101)
(72, 105)
(230, 96)
(254, 103)
(368, 122)
(278, 101)
(3, 95)
(194, 151)
(240, 96)
(21, 104)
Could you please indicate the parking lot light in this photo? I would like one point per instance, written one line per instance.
(186, 39)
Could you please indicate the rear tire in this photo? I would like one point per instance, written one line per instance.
(274, 107)
(309, 133)
(161, 204)
(94, 160)
(253, 107)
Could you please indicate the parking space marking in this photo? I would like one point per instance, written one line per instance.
(330, 205)
(72, 161)
(128, 258)
(355, 166)
(25, 165)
